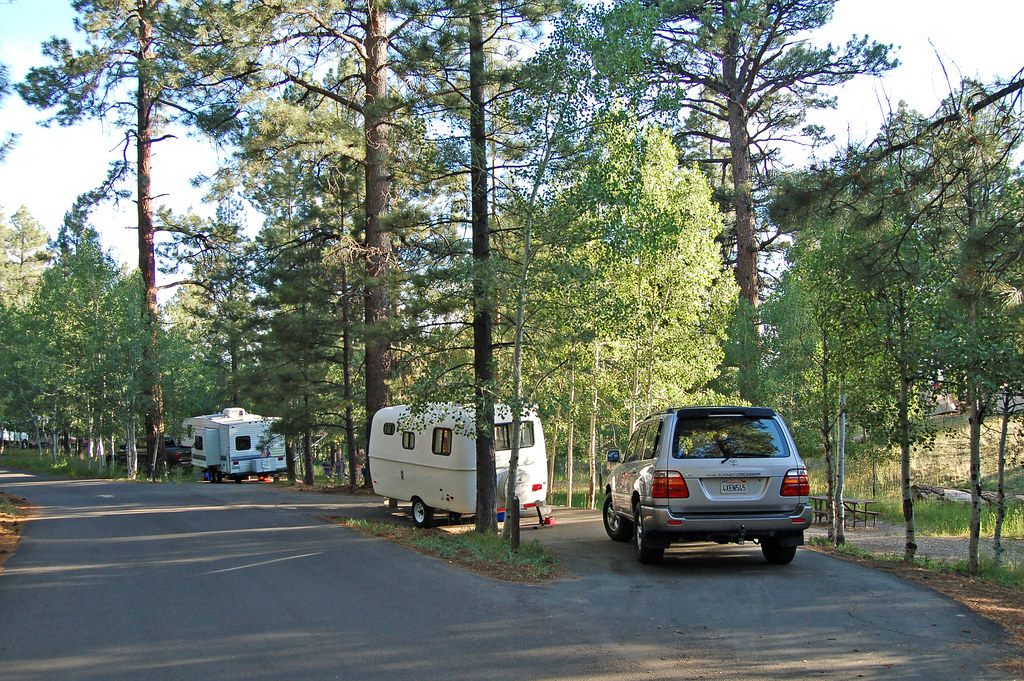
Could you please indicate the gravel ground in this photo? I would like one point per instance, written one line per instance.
(891, 539)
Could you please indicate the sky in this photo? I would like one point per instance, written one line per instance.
(50, 167)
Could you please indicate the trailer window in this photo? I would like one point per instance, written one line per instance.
(243, 443)
(503, 435)
(408, 439)
(442, 444)
(389, 429)
(198, 444)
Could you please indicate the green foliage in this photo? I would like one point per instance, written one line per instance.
(10, 138)
(67, 467)
(23, 255)
(658, 290)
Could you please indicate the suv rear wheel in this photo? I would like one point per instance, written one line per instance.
(645, 553)
(617, 527)
(775, 554)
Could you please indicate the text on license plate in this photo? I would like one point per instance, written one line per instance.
(734, 486)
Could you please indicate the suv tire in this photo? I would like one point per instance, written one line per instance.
(775, 554)
(645, 553)
(617, 527)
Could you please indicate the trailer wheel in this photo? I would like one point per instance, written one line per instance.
(422, 514)
(216, 476)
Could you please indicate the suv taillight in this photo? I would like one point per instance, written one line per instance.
(795, 484)
(669, 485)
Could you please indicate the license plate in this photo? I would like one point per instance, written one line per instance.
(734, 487)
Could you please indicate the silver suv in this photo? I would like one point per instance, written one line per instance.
(721, 474)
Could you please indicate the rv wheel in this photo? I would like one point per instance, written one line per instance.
(422, 514)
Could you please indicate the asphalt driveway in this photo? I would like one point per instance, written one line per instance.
(195, 581)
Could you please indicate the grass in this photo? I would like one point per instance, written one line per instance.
(8, 507)
(949, 519)
(62, 466)
(73, 467)
(1007, 574)
(579, 496)
(485, 554)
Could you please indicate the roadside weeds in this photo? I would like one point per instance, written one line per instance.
(13, 512)
(487, 555)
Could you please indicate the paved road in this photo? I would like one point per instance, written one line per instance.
(200, 581)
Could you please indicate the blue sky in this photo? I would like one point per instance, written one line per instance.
(51, 166)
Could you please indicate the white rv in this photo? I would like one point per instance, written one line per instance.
(235, 445)
(430, 459)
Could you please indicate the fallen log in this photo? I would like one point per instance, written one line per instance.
(958, 496)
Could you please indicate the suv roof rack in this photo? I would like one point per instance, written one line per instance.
(705, 412)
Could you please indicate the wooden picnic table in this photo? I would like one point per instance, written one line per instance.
(855, 510)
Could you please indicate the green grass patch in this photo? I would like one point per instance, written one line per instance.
(8, 507)
(950, 519)
(486, 554)
(1008, 574)
(579, 498)
(62, 466)
(845, 549)
(74, 467)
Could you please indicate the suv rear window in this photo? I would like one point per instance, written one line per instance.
(727, 437)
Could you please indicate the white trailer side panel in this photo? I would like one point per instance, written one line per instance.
(407, 459)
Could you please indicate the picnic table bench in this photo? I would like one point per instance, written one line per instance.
(856, 510)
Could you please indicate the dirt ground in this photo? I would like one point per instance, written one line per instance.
(10, 526)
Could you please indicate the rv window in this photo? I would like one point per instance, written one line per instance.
(408, 440)
(442, 441)
(526, 434)
(389, 429)
(243, 443)
(503, 437)
(198, 444)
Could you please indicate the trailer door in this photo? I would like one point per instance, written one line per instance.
(211, 445)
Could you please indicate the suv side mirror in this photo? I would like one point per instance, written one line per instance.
(613, 456)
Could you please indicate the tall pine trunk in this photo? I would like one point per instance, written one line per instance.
(483, 297)
(145, 104)
(378, 360)
(743, 196)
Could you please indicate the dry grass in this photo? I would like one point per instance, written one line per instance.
(943, 461)
(13, 511)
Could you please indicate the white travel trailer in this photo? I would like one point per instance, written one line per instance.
(14, 438)
(235, 445)
(430, 459)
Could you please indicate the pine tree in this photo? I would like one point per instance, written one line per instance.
(131, 74)
(749, 68)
